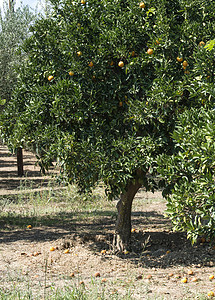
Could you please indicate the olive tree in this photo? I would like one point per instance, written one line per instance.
(102, 88)
(14, 29)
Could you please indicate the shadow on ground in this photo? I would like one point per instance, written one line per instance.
(152, 244)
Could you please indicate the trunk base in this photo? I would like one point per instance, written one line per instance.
(119, 245)
(122, 236)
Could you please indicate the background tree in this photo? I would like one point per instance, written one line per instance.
(102, 88)
(14, 29)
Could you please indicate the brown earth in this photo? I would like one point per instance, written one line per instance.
(152, 270)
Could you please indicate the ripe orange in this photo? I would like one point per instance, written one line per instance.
(103, 251)
(168, 252)
(203, 240)
(29, 226)
(83, 2)
(170, 274)
(79, 53)
(184, 280)
(142, 4)
(71, 73)
(72, 274)
(211, 294)
(66, 251)
(97, 274)
(201, 43)
(50, 78)
(121, 64)
(52, 249)
(150, 51)
(211, 277)
(185, 63)
(91, 64)
(133, 230)
(179, 59)
(194, 279)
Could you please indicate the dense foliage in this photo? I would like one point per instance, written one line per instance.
(104, 85)
(190, 173)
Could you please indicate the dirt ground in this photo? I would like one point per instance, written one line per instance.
(159, 259)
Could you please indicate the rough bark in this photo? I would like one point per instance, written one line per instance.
(123, 224)
(20, 162)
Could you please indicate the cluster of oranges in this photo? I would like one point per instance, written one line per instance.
(121, 63)
(90, 64)
(184, 64)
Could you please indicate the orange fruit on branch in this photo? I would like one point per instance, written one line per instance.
(201, 43)
(50, 78)
(185, 63)
(150, 51)
(179, 59)
(142, 5)
(121, 64)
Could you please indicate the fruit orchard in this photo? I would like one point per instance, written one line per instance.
(105, 85)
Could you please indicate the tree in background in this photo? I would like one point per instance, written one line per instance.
(14, 29)
(102, 89)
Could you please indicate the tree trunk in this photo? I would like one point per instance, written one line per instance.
(123, 224)
(20, 161)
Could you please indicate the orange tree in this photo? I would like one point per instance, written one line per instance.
(190, 172)
(102, 88)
